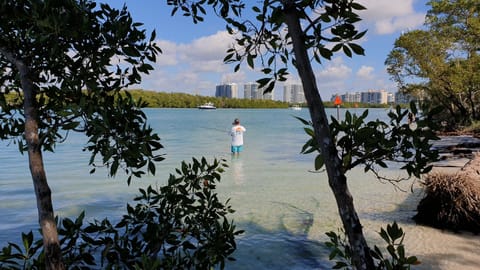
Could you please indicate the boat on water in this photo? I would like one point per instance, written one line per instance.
(207, 106)
(296, 107)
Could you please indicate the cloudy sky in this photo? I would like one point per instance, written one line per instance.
(192, 56)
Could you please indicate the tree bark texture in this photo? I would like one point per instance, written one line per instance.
(51, 245)
(336, 178)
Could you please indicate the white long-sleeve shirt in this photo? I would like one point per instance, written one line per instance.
(237, 135)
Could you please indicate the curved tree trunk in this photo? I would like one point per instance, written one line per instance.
(336, 178)
(51, 245)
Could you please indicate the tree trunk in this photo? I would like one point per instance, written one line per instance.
(336, 178)
(471, 101)
(51, 245)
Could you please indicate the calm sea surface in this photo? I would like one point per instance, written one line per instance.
(284, 208)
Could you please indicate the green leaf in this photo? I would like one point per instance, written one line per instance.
(357, 49)
(151, 168)
(71, 125)
(27, 240)
(305, 122)
(384, 235)
(347, 51)
(114, 167)
(413, 107)
(319, 162)
(357, 6)
(413, 260)
(326, 53)
(250, 59)
(309, 131)
(394, 231)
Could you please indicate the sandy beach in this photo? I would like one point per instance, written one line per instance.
(442, 249)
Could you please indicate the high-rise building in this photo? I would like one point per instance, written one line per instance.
(352, 97)
(293, 93)
(370, 96)
(250, 90)
(229, 90)
(375, 97)
(390, 98)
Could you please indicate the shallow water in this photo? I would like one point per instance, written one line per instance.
(284, 208)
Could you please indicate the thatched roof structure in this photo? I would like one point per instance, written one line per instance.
(452, 200)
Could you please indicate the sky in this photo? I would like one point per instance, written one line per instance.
(192, 54)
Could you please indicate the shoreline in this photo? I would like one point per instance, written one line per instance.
(439, 247)
(455, 151)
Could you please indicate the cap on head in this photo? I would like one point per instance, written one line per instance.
(236, 121)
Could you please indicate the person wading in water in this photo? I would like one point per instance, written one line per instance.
(237, 137)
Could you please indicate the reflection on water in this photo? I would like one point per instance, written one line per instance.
(236, 166)
(284, 209)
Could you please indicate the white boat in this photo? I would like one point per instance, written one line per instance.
(296, 107)
(207, 106)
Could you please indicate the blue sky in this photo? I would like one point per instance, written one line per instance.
(191, 61)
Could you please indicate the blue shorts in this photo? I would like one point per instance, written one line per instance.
(237, 149)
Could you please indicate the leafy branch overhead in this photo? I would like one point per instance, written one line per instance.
(67, 62)
(261, 36)
(76, 78)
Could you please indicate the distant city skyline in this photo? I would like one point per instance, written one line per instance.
(293, 93)
(373, 97)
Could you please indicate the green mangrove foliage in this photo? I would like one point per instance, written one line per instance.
(341, 252)
(441, 62)
(406, 139)
(182, 225)
(63, 59)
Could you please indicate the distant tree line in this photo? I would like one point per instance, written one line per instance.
(154, 99)
(182, 100)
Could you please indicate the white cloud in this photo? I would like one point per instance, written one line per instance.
(333, 77)
(168, 57)
(236, 77)
(334, 70)
(203, 55)
(210, 66)
(207, 48)
(391, 16)
(389, 26)
(365, 73)
(191, 67)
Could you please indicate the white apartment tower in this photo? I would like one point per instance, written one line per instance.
(252, 91)
(375, 96)
(293, 93)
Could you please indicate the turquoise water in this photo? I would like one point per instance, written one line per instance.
(284, 208)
